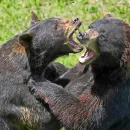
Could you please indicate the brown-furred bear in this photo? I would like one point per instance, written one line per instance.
(105, 103)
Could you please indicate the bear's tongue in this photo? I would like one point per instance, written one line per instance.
(88, 54)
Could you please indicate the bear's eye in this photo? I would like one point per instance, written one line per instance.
(56, 26)
(102, 30)
(103, 38)
(90, 27)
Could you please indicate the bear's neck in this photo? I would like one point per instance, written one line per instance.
(111, 76)
(38, 62)
(106, 79)
(12, 51)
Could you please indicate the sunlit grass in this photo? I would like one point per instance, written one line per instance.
(15, 15)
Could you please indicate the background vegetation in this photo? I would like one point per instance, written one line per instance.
(15, 15)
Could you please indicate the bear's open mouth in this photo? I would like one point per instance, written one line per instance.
(89, 40)
(86, 56)
(76, 47)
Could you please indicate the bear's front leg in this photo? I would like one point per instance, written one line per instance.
(67, 108)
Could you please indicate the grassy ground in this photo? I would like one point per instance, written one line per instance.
(15, 15)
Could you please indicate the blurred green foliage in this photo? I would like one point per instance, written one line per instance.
(15, 15)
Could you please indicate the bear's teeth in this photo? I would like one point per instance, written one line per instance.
(88, 54)
(84, 54)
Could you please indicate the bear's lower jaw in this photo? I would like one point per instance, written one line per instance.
(87, 56)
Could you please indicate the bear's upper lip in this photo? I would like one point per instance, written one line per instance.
(89, 40)
(73, 44)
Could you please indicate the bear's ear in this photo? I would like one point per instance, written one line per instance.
(107, 16)
(25, 40)
(34, 18)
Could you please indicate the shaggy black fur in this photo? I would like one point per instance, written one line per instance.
(104, 104)
(24, 55)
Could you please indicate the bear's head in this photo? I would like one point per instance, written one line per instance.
(107, 43)
(47, 39)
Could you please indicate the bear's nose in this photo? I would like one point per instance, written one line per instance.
(82, 35)
(75, 20)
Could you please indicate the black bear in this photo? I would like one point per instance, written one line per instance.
(29, 53)
(104, 104)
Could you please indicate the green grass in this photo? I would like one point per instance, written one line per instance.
(15, 15)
